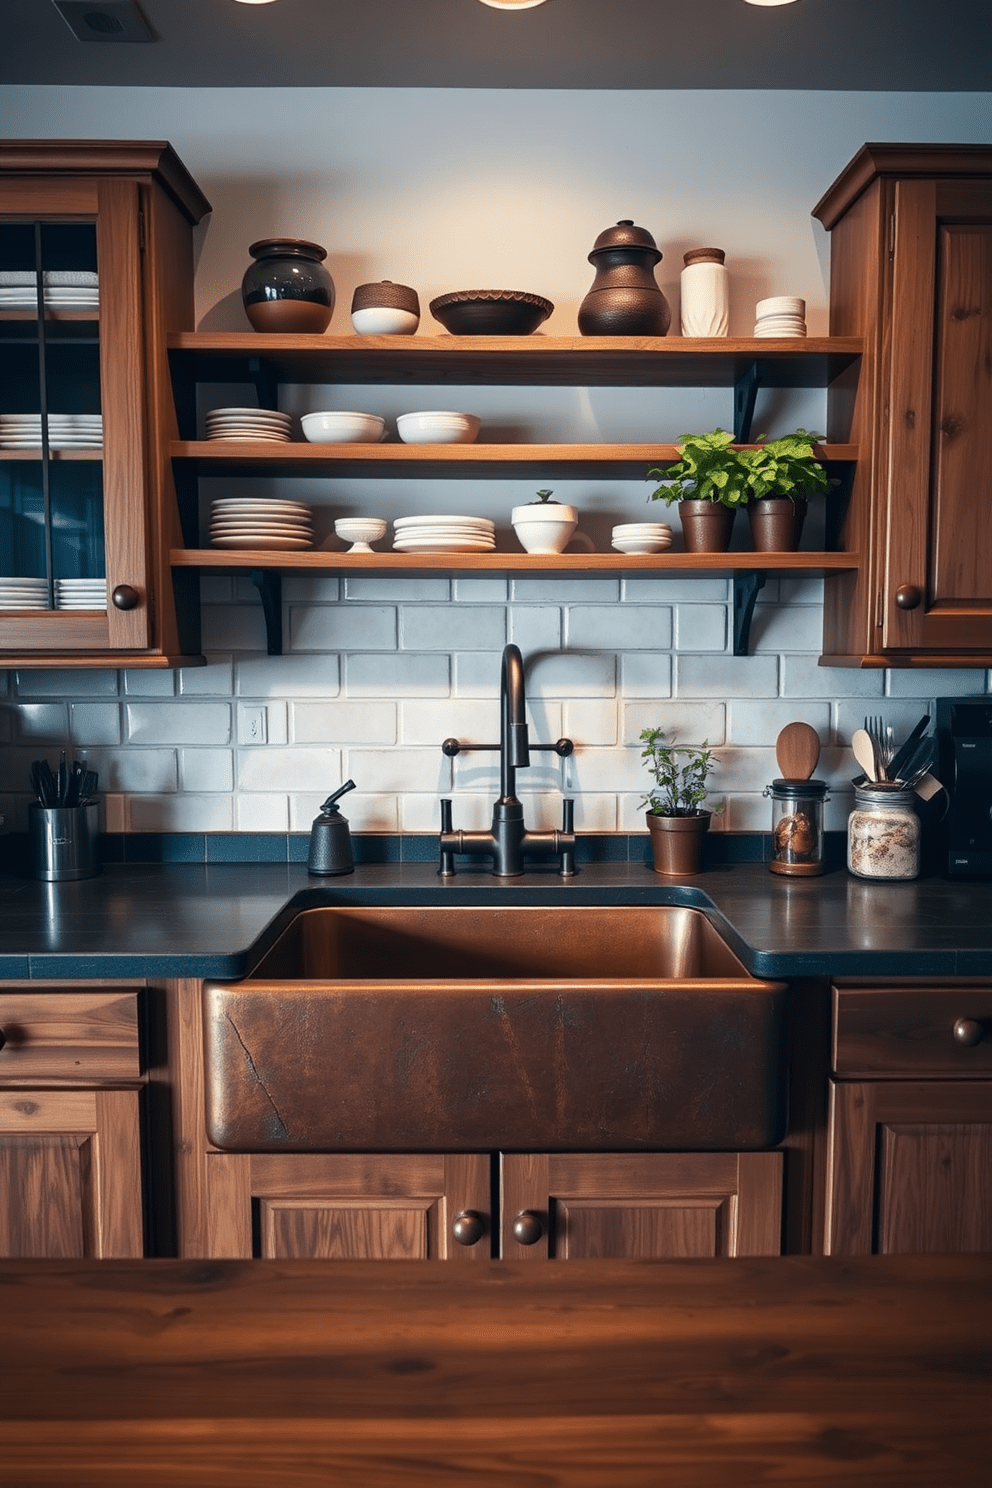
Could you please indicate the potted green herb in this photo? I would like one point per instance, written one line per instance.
(782, 476)
(543, 525)
(709, 482)
(675, 817)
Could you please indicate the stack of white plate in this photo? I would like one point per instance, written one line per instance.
(248, 423)
(642, 537)
(277, 526)
(23, 594)
(65, 430)
(80, 594)
(782, 315)
(444, 535)
(65, 289)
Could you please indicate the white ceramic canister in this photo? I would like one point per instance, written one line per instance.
(705, 293)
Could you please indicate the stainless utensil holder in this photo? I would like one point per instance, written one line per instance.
(63, 841)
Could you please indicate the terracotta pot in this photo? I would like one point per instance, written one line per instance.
(776, 523)
(706, 526)
(677, 842)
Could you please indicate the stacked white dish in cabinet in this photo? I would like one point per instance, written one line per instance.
(248, 423)
(444, 535)
(65, 430)
(271, 525)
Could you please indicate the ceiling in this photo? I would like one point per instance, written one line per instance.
(871, 45)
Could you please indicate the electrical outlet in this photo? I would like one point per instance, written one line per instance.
(254, 725)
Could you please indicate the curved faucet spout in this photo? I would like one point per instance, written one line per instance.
(514, 751)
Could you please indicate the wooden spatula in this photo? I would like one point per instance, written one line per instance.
(797, 750)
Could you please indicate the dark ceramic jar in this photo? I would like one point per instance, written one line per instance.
(287, 288)
(624, 299)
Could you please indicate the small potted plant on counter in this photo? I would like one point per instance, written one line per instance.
(543, 525)
(709, 482)
(782, 475)
(675, 818)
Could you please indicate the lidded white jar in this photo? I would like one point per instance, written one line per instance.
(705, 293)
(883, 832)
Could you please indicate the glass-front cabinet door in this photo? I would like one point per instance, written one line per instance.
(86, 498)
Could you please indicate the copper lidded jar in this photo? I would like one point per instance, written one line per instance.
(625, 299)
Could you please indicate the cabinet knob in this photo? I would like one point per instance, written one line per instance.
(468, 1227)
(908, 597)
(125, 597)
(969, 1032)
(527, 1228)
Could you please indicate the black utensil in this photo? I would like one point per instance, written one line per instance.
(898, 760)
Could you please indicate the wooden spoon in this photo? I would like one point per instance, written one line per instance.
(864, 752)
(797, 750)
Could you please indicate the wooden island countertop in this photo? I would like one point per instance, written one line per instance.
(792, 1371)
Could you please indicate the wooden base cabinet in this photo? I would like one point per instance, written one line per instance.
(70, 1138)
(909, 1160)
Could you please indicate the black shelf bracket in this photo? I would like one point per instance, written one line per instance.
(268, 582)
(263, 375)
(745, 393)
(746, 588)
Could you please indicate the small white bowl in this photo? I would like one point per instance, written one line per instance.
(384, 320)
(635, 544)
(780, 305)
(360, 532)
(438, 427)
(343, 428)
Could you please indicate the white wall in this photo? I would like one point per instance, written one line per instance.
(454, 189)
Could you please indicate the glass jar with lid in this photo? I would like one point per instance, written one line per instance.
(797, 826)
(883, 832)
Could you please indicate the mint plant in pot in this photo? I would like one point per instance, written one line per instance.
(709, 482)
(676, 818)
(782, 475)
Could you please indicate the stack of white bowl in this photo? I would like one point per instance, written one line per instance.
(249, 423)
(23, 594)
(271, 525)
(438, 426)
(65, 430)
(642, 537)
(782, 315)
(64, 289)
(444, 535)
(80, 594)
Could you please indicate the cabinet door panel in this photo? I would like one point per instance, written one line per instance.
(347, 1206)
(909, 1167)
(70, 1174)
(641, 1206)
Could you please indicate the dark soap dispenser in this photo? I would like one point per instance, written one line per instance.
(330, 838)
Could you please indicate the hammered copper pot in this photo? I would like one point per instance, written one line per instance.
(624, 299)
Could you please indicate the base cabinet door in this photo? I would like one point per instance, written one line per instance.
(640, 1206)
(909, 1167)
(349, 1207)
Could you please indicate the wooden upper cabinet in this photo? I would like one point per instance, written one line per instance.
(108, 228)
(911, 271)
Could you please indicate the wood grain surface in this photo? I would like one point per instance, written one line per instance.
(874, 1370)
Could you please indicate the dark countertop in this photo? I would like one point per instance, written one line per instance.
(193, 920)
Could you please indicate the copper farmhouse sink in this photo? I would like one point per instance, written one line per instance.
(591, 1028)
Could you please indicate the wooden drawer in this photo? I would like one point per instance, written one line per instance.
(898, 1029)
(69, 1038)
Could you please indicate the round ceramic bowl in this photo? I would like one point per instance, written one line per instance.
(642, 529)
(360, 532)
(438, 427)
(641, 544)
(490, 312)
(780, 305)
(336, 427)
(384, 320)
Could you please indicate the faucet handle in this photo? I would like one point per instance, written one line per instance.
(447, 865)
(567, 869)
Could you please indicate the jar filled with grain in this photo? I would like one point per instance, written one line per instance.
(883, 832)
(797, 826)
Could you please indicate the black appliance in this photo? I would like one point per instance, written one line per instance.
(964, 764)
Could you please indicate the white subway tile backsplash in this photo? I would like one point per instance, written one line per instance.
(786, 628)
(671, 591)
(216, 679)
(235, 627)
(573, 674)
(480, 591)
(313, 588)
(645, 674)
(206, 770)
(95, 723)
(535, 627)
(288, 676)
(342, 627)
(380, 770)
(191, 813)
(422, 813)
(364, 813)
(288, 769)
(397, 675)
(595, 813)
(692, 724)
(141, 771)
(178, 723)
(726, 676)
(549, 589)
(935, 682)
(759, 721)
(701, 627)
(60, 683)
(471, 721)
(344, 723)
(148, 684)
(261, 813)
(621, 628)
(40, 723)
(429, 627)
(590, 721)
(397, 589)
(803, 678)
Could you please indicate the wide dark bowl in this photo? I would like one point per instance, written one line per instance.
(490, 312)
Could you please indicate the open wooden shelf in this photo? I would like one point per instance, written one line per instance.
(657, 564)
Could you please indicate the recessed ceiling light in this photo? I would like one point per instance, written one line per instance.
(769, 2)
(513, 4)
(269, 2)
